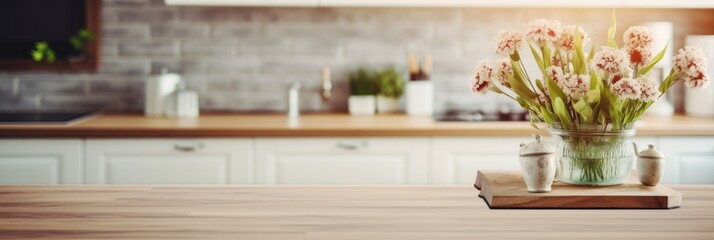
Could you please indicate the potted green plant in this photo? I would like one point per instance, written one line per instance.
(362, 90)
(391, 88)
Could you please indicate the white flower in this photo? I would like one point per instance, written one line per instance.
(692, 63)
(555, 73)
(503, 69)
(481, 78)
(648, 89)
(543, 30)
(508, 42)
(575, 86)
(611, 60)
(627, 88)
(542, 98)
(639, 56)
(638, 37)
(696, 78)
(567, 38)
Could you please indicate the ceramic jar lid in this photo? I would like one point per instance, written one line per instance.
(650, 152)
(537, 147)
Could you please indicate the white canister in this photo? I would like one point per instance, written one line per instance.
(158, 92)
(420, 98)
(700, 102)
(362, 105)
(650, 166)
(538, 165)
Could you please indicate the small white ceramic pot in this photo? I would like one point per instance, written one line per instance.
(362, 105)
(650, 166)
(387, 104)
(538, 165)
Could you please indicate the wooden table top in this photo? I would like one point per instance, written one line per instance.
(325, 212)
(251, 125)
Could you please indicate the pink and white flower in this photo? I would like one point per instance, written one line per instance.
(567, 38)
(611, 60)
(639, 56)
(648, 89)
(575, 86)
(627, 88)
(481, 79)
(555, 73)
(503, 69)
(638, 37)
(542, 98)
(542, 31)
(508, 42)
(692, 64)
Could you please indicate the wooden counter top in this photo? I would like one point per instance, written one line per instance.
(323, 212)
(317, 125)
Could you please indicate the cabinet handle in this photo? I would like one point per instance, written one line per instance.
(188, 147)
(352, 146)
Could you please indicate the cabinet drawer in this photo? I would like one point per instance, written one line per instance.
(39, 161)
(386, 161)
(169, 161)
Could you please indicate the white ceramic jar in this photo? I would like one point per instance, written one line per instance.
(538, 165)
(650, 166)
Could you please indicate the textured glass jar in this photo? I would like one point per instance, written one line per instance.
(595, 155)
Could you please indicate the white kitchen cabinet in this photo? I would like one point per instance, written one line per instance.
(349, 161)
(688, 160)
(456, 159)
(40, 161)
(169, 161)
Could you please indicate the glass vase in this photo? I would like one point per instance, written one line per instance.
(595, 155)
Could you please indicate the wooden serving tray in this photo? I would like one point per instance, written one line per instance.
(506, 189)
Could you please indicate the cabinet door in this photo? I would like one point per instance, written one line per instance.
(169, 161)
(456, 159)
(34, 161)
(688, 160)
(342, 160)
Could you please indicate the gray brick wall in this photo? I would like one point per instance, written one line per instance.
(243, 58)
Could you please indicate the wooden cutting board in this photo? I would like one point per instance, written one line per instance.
(506, 189)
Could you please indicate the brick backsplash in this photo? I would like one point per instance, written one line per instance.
(243, 58)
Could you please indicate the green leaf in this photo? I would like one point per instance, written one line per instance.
(36, 55)
(578, 44)
(546, 57)
(521, 89)
(593, 96)
(647, 68)
(591, 55)
(562, 112)
(667, 82)
(537, 57)
(611, 31)
(583, 109)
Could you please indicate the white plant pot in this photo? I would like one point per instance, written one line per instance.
(363, 105)
(387, 104)
(420, 98)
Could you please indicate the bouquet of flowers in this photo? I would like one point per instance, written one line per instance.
(575, 87)
(588, 99)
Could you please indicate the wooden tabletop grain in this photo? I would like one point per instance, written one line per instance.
(324, 212)
(252, 125)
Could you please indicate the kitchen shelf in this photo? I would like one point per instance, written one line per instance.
(453, 3)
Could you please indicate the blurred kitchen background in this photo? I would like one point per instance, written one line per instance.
(244, 58)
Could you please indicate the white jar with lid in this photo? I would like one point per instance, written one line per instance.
(539, 165)
(650, 166)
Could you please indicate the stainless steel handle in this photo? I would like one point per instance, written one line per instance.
(188, 147)
(352, 145)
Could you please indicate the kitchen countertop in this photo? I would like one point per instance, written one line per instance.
(241, 125)
(325, 212)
